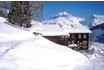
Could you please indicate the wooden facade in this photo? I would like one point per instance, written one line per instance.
(62, 40)
(80, 39)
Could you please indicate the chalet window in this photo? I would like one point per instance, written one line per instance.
(79, 36)
(68, 42)
(85, 42)
(79, 45)
(85, 36)
(84, 47)
(78, 42)
(72, 41)
(73, 36)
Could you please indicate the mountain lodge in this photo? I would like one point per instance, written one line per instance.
(75, 37)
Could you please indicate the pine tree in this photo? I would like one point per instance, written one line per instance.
(21, 12)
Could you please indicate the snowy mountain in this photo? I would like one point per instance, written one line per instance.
(93, 20)
(64, 17)
(96, 25)
(67, 22)
(81, 19)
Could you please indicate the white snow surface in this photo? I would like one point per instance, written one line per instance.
(96, 55)
(68, 22)
(52, 30)
(21, 50)
(81, 19)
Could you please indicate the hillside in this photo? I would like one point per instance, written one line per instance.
(21, 50)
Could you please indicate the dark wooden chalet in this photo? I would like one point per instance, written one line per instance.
(79, 37)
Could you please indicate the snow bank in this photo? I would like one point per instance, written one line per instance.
(96, 55)
(21, 50)
(39, 53)
(8, 32)
(98, 49)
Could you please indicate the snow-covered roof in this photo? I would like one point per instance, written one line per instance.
(52, 30)
(61, 24)
(80, 29)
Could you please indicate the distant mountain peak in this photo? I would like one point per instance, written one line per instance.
(61, 14)
(93, 16)
(93, 20)
(97, 16)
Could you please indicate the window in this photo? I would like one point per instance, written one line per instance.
(79, 36)
(72, 36)
(84, 47)
(72, 42)
(68, 42)
(85, 42)
(78, 42)
(85, 36)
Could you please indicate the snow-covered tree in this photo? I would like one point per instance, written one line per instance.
(21, 12)
(4, 8)
(36, 8)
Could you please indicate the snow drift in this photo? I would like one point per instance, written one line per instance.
(21, 50)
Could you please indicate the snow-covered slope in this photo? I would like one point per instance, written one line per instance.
(67, 22)
(96, 54)
(8, 32)
(81, 19)
(21, 50)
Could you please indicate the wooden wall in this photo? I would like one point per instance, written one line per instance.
(62, 40)
(80, 39)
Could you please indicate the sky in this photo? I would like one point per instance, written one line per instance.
(83, 9)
